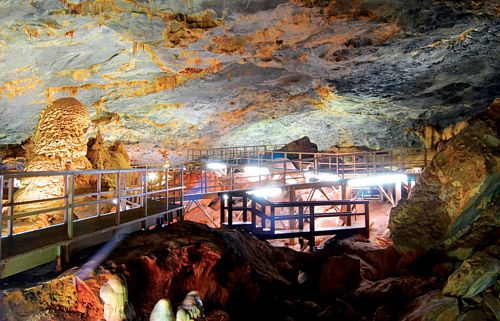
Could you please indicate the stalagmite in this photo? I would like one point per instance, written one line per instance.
(59, 143)
(162, 311)
(114, 296)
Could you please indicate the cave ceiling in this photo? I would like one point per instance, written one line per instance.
(180, 73)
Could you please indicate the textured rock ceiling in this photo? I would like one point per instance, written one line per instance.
(168, 73)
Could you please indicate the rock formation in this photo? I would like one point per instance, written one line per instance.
(454, 206)
(239, 277)
(453, 216)
(302, 144)
(433, 137)
(102, 156)
(58, 143)
(66, 297)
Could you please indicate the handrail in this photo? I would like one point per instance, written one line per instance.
(134, 187)
(264, 215)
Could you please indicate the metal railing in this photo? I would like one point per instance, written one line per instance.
(282, 168)
(227, 153)
(96, 195)
(262, 217)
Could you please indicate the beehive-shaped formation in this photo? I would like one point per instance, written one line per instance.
(59, 143)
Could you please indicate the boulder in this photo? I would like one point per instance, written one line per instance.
(229, 268)
(376, 262)
(432, 306)
(455, 202)
(397, 289)
(473, 315)
(475, 274)
(339, 274)
(491, 306)
(303, 144)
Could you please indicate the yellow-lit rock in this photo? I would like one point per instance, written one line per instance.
(58, 143)
(107, 157)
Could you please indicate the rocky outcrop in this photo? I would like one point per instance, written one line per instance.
(433, 307)
(455, 203)
(303, 144)
(475, 274)
(228, 268)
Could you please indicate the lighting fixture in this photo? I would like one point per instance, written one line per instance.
(216, 166)
(256, 170)
(377, 180)
(321, 177)
(152, 176)
(266, 192)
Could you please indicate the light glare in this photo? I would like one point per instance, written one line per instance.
(152, 176)
(322, 177)
(256, 170)
(216, 166)
(266, 192)
(377, 180)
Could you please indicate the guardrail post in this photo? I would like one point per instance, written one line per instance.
(254, 214)
(181, 173)
(10, 222)
(145, 196)
(284, 171)
(71, 207)
(230, 210)
(99, 188)
(367, 220)
(301, 217)
(273, 222)
(167, 205)
(349, 218)
(118, 198)
(245, 208)
(66, 202)
(222, 209)
(311, 219)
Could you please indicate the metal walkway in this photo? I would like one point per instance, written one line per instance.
(117, 202)
(121, 202)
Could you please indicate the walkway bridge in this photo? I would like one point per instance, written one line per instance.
(90, 207)
(297, 219)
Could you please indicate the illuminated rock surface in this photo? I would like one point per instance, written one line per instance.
(172, 73)
(455, 203)
(58, 143)
(238, 277)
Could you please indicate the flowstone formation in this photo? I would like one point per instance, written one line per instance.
(58, 143)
